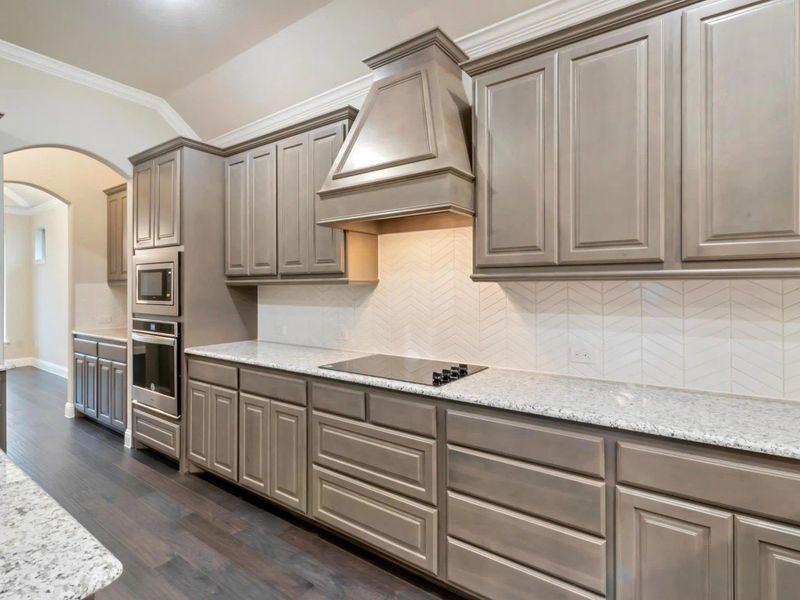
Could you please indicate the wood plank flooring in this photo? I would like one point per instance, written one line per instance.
(183, 536)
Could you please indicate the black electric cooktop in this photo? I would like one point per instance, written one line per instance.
(402, 368)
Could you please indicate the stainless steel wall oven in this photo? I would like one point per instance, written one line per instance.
(156, 365)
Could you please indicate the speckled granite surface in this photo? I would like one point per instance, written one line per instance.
(754, 424)
(119, 334)
(44, 552)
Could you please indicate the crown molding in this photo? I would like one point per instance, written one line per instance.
(540, 20)
(51, 66)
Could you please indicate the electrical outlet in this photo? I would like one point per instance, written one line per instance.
(582, 355)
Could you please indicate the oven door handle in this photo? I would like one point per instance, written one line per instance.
(154, 339)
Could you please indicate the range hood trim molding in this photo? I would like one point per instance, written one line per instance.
(433, 37)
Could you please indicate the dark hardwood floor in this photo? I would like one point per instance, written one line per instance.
(182, 536)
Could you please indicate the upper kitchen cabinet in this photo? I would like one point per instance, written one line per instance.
(117, 234)
(741, 116)
(660, 140)
(157, 202)
(611, 146)
(270, 199)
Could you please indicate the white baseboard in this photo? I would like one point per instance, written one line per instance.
(69, 410)
(128, 438)
(37, 363)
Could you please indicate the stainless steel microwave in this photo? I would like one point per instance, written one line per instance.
(156, 280)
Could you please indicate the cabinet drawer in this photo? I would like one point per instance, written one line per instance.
(544, 445)
(496, 578)
(740, 485)
(271, 385)
(156, 433)
(223, 375)
(339, 400)
(87, 347)
(402, 528)
(564, 553)
(567, 499)
(403, 414)
(395, 461)
(113, 352)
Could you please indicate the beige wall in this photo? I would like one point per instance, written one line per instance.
(80, 180)
(19, 260)
(50, 287)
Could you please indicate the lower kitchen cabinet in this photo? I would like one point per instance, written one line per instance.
(100, 382)
(212, 428)
(254, 419)
(668, 548)
(287, 454)
(767, 560)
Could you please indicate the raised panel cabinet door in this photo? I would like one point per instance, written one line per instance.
(79, 373)
(122, 228)
(515, 129)
(767, 560)
(236, 217)
(143, 206)
(287, 455)
(254, 443)
(741, 130)
(90, 385)
(294, 212)
(104, 391)
(112, 241)
(327, 243)
(198, 421)
(224, 448)
(263, 220)
(119, 396)
(612, 145)
(668, 549)
(167, 200)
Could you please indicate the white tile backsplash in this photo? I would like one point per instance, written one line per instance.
(739, 336)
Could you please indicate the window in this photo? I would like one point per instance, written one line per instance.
(40, 245)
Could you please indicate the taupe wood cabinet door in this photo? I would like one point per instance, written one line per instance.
(611, 145)
(224, 421)
(236, 218)
(287, 454)
(119, 396)
(515, 112)
(327, 243)
(90, 386)
(254, 443)
(116, 237)
(294, 208)
(741, 131)
(143, 206)
(767, 560)
(166, 200)
(79, 373)
(668, 549)
(198, 402)
(263, 212)
(104, 383)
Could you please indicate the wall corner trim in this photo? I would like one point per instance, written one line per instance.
(51, 66)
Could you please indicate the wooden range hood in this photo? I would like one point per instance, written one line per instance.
(406, 163)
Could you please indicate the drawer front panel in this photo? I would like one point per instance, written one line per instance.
(496, 578)
(113, 352)
(567, 499)
(392, 460)
(156, 433)
(748, 487)
(403, 414)
(87, 347)
(558, 551)
(544, 445)
(209, 372)
(399, 527)
(339, 400)
(271, 385)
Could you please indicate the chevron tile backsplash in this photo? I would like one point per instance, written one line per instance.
(740, 336)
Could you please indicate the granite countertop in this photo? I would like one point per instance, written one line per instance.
(117, 334)
(44, 551)
(745, 423)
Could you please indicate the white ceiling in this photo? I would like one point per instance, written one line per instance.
(24, 197)
(155, 45)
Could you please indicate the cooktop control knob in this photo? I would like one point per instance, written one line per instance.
(445, 375)
(437, 378)
(454, 373)
(463, 369)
